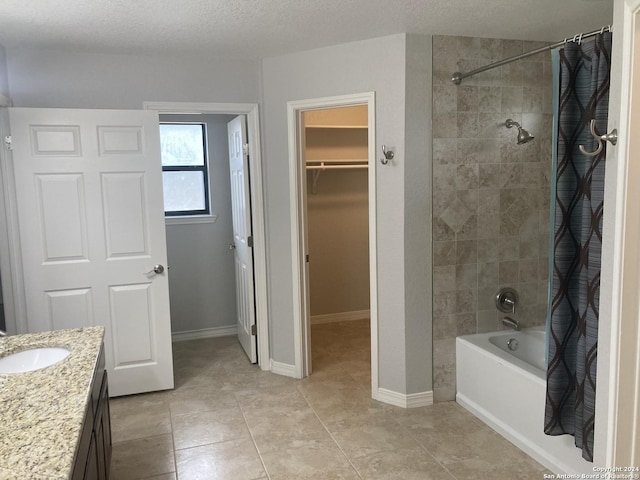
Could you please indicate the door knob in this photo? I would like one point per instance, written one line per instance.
(157, 269)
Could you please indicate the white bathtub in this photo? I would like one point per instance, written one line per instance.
(506, 390)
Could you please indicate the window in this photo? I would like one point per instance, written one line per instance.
(183, 147)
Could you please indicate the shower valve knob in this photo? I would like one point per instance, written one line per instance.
(506, 300)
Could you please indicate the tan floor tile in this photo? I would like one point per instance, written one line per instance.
(286, 428)
(440, 417)
(363, 379)
(198, 373)
(318, 382)
(406, 464)
(232, 460)
(323, 461)
(483, 447)
(195, 429)
(221, 403)
(139, 416)
(199, 398)
(335, 406)
(146, 457)
(264, 399)
(484, 469)
(166, 476)
(365, 437)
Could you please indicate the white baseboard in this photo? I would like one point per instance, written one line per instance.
(204, 333)
(283, 369)
(411, 400)
(340, 317)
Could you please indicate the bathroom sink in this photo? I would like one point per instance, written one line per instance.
(33, 359)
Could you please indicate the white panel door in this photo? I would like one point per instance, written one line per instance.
(243, 256)
(91, 224)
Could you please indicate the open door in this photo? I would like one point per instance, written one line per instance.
(92, 237)
(242, 239)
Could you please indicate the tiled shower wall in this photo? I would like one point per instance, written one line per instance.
(490, 195)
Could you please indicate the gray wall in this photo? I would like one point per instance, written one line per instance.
(373, 65)
(4, 90)
(338, 234)
(54, 79)
(417, 215)
(40, 78)
(4, 77)
(202, 276)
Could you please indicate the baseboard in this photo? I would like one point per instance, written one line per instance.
(204, 333)
(411, 400)
(283, 369)
(340, 317)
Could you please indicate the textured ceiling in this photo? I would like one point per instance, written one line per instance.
(261, 28)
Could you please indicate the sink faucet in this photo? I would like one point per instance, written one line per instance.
(511, 323)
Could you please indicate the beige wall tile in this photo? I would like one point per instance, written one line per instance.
(497, 219)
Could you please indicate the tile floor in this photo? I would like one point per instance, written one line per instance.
(227, 419)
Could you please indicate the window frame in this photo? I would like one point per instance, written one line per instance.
(204, 168)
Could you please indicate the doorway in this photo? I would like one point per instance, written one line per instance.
(300, 183)
(256, 196)
(337, 212)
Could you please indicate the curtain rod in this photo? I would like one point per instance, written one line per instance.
(459, 76)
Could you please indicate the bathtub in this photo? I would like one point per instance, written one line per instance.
(506, 389)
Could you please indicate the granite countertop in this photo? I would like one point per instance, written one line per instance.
(42, 412)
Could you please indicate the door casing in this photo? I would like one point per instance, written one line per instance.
(257, 203)
(297, 189)
(617, 440)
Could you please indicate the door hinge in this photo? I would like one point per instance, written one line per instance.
(250, 241)
(245, 149)
(254, 329)
(306, 258)
(8, 142)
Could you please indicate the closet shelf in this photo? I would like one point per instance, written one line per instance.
(336, 164)
(318, 167)
(337, 126)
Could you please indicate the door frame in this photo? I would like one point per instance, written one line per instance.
(13, 293)
(618, 404)
(297, 192)
(257, 202)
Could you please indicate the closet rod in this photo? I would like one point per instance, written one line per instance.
(459, 76)
(336, 167)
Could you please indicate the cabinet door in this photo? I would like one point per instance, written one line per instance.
(91, 471)
(100, 452)
(84, 444)
(103, 431)
(106, 426)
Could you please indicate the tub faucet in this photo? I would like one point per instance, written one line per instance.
(511, 323)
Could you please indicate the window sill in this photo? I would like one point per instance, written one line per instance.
(190, 220)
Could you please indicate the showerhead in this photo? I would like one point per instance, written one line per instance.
(523, 135)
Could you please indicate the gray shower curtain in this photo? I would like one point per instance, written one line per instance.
(575, 282)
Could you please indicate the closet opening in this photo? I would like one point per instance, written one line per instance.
(337, 211)
(333, 218)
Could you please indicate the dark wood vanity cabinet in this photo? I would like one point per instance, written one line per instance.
(93, 454)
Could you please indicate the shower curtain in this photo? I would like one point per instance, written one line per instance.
(575, 281)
